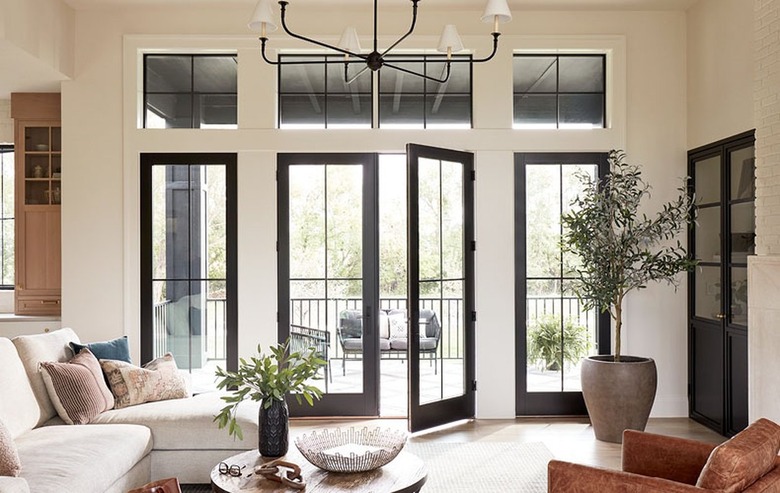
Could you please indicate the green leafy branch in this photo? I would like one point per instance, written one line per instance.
(620, 249)
(267, 378)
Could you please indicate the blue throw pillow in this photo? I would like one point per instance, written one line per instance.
(117, 349)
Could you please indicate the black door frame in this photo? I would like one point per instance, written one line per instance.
(461, 407)
(568, 403)
(336, 404)
(230, 161)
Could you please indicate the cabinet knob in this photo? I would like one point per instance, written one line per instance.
(720, 316)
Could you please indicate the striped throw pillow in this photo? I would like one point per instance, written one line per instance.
(77, 388)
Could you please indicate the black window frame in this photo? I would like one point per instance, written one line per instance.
(426, 93)
(6, 149)
(355, 68)
(557, 92)
(192, 93)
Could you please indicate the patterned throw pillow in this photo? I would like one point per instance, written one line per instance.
(158, 380)
(398, 325)
(77, 388)
(9, 458)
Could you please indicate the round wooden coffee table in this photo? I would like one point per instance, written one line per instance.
(404, 474)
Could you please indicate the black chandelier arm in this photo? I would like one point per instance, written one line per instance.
(283, 5)
(263, 41)
(417, 74)
(411, 29)
(302, 62)
(493, 53)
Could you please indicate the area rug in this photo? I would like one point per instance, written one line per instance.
(483, 466)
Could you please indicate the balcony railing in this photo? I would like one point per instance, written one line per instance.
(323, 314)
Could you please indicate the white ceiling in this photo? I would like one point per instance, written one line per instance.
(456, 4)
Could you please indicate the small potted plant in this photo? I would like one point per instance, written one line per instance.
(269, 378)
(622, 250)
(554, 343)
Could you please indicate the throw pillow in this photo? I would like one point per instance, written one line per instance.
(158, 380)
(9, 457)
(398, 325)
(77, 388)
(739, 462)
(114, 349)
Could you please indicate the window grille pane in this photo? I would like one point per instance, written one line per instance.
(168, 73)
(581, 109)
(459, 81)
(302, 110)
(307, 79)
(536, 109)
(217, 110)
(448, 110)
(535, 74)
(215, 74)
(349, 110)
(175, 109)
(336, 83)
(581, 74)
(395, 81)
(406, 110)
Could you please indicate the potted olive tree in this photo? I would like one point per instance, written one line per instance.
(622, 249)
(269, 378)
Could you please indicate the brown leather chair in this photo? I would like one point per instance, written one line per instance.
(656, 463)
(169, 485)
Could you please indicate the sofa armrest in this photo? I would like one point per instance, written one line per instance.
(565, 477)
(10, 484)
(677, 459)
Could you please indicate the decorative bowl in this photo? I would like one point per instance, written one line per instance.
(41, 147)
(351, 449)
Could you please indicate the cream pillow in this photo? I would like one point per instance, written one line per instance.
(9, 457)
(77, 388)
(158, 380)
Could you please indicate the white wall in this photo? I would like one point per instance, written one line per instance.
(100, 206)
(720, 70)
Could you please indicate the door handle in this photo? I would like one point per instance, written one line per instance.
(50, 302)
(720, 316)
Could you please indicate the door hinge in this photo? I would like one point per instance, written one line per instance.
(474, 385)
(474, 316)
(277, 175)
(277, 317)
(473, 246)
(277, 245)
(473, 175)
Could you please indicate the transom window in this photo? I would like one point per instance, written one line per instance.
(190, 91)
(7, 216)
(559, 91)
(317, 95)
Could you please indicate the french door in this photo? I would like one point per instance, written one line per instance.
(441, 275)
(339, 284)
(553, 332)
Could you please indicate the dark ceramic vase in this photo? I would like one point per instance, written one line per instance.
(273, 427)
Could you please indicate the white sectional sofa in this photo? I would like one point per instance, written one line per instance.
(122, 448)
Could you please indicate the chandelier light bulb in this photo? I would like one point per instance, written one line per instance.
(496, 11)
(449, 41)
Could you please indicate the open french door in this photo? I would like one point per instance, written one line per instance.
(440, 285)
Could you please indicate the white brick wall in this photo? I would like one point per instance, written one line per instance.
(767, 115)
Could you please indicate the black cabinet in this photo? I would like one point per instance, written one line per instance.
(723, 181)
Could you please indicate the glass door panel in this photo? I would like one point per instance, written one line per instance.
(188, 249)
(440, 286)
(554, 331)
(328, 290)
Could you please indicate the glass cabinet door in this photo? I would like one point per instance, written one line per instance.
(707, 245)
(42, 165)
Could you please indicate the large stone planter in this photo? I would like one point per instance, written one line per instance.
(618, 396)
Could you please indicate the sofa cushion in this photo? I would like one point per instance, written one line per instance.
(188, 424)
(33, 349)
(357, 344)
(117, 349)
(9, 457)
(158, 380)
(77, 388)
(19, 408)
(739, 462)
(81, 458)
(401, 344)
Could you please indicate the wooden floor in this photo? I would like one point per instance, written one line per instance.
(569, 439)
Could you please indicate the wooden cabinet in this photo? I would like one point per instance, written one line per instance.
(38, 155)
(724, 236)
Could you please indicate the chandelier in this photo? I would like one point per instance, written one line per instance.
(496, 11)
